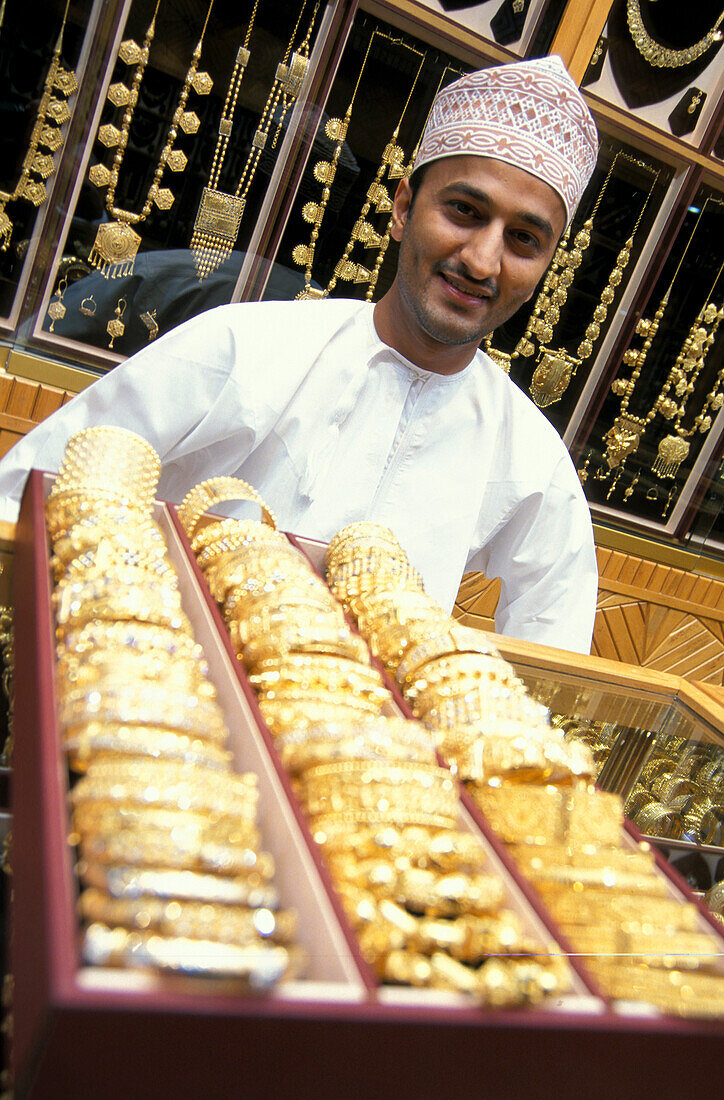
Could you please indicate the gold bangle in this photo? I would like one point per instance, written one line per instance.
(136, 848)
(103, 739)
(654, 819)
(548, 815)
(362, 529)
(139, 637)
(259, 966)
(145, 703)
(592, 905)
(123, 881)
(197, 920)
(332, 824)
(166, 783)
(239, 532)
(218, 490)
(102, 819)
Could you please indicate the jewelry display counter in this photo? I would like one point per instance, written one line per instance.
(335, 1028)
(657, 741)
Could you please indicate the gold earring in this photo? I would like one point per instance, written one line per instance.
(115, 327)
(88, 306)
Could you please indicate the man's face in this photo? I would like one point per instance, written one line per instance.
(479, 237)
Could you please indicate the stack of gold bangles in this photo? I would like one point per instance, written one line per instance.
(642, 942)
(413, 883)
(174, 875)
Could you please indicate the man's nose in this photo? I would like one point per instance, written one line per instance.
(482, 253)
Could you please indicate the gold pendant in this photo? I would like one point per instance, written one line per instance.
(292, 75)
(215, 230)
(6, 228)
(149, 319)
(363, 232)
(114, 249)
(552, 375)
(672, 452)
(378, 194)
(115, 327)
(501, 359)
(56, 310)
(352, 272)
(622, 439)
(310, 293)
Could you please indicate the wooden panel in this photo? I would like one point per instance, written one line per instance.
(24, 404)
(648, 614)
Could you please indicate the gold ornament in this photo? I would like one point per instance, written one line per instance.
(672, 452)
(56, 310)
(219, 214)
(662, 57)
(116, 244)
(115, 327)
(51, 115)
(393, 163)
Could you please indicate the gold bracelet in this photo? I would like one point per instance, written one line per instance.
(166, 783)
(457, 639)
(139, 637)
(239, 532)
(654, 819)
(334, 823)
(593, 905)
(547, 815)
(259, 966)
(218, 490)
(104, 739)
(197, 920)
(144, 703)
(123, 881)
(104, 819)
(132, 848)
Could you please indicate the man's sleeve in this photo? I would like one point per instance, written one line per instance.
(162, 393)
(545, 557)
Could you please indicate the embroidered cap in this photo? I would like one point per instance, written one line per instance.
(529, 114)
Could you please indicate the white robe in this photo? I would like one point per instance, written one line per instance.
(304, 401)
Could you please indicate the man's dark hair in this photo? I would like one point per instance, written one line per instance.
(415, 180)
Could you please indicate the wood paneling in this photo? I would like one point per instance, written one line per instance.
(648, 614)
(24, 404)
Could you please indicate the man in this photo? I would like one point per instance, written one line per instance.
(340, 411)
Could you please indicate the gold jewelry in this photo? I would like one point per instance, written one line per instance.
(324, 172)
(219, 214)
(115, 327)
(56, 310)
(218, 490)
(663, 57)
(556, 368)
(363, 231)
(124, 881)
(88, 306)
(624, 436)
(47, 132)
(98, 740)
(258, 966)
(116, 244)
(149, 319)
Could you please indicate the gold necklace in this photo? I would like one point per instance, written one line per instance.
(674, 448)
(624, 436)
(324, 172)
(662, 57)
(116, 243)
(556, 367)
(393, 163)
(52, 114)
(219, 214)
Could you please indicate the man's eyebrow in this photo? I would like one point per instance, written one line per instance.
(476, 193)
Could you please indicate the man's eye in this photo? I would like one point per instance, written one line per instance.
(463, 208)
(527, 240)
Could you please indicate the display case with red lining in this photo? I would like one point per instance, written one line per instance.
(79, 1030)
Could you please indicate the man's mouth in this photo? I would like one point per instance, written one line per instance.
(464, 292)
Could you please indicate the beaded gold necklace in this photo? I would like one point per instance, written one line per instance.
(47, 134)
(116, 244)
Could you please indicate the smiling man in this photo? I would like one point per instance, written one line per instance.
(340, 411)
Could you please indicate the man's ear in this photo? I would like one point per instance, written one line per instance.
(400, 208)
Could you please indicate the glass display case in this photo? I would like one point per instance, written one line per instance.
(656, 740)
(206, 155)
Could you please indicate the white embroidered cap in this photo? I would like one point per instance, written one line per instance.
(529, 114)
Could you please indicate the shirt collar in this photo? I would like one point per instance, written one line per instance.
(374, 349)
